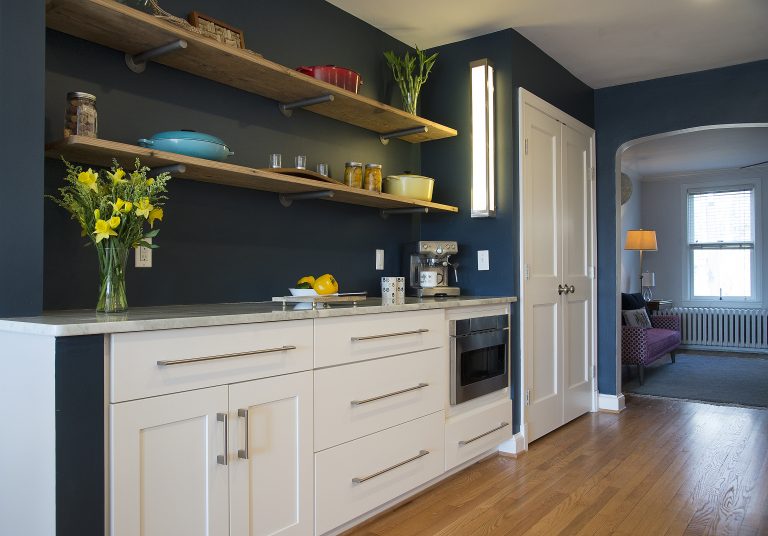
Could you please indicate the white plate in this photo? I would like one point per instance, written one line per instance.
(303, 292)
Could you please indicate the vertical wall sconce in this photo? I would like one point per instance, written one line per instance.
(483, 191)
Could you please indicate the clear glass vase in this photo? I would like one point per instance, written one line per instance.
(112, 277)
(409, 101)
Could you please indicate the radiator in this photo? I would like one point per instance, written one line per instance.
(720, 327)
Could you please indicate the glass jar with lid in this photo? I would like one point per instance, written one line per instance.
(353, 174)
(372, 178)
(81, 117)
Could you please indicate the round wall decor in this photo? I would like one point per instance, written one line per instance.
(626, 188)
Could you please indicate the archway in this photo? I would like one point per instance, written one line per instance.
(618, 216)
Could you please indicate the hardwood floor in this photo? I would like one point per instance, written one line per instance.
(661, 467)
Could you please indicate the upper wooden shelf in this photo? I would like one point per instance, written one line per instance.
(117, 26)
(100, 152)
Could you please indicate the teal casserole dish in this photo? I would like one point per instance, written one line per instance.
(190, 143)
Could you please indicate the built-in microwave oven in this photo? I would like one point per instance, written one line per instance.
(479, 356)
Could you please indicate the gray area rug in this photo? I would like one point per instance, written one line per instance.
(721, 379)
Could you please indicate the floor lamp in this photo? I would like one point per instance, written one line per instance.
(641, 240)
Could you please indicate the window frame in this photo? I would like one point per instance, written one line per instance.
(756, 258)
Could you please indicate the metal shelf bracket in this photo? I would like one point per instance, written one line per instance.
(287, 199)
(286, 108)
(138, 62)
(384, 138)
(176, 168)
(385, 213)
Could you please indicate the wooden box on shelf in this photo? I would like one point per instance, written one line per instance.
(220, 31)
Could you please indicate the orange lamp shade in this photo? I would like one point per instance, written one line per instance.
(641, 240)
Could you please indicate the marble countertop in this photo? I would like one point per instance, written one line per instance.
(88, 322)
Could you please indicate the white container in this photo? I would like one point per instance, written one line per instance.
(392, 290)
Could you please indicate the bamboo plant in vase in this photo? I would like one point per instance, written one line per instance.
(410, 73)
(114, 209)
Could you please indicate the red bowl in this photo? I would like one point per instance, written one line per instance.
(338, 76)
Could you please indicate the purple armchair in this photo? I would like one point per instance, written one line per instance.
(643, 346)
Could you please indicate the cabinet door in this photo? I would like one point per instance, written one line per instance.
(271, 472)
(166, 478)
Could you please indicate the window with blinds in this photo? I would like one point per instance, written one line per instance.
(721, 242)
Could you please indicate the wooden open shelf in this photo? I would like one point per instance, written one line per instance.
(117, 26)
(100, 152)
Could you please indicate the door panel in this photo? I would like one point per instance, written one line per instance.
(271, 490)
(544, 258)
(165, 475)
(542, 246)
(577, 244)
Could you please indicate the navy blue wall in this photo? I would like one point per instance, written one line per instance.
(517, 63)
(217, 243)
(21, 155)
(736, 94)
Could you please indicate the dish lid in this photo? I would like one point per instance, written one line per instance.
(409, 176)
(187, 135)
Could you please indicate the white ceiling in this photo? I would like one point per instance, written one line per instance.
(602, 42)
(720, 148)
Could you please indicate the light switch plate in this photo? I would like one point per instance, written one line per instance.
(379, 259)
(483, 261)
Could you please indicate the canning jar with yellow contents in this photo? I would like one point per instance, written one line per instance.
(372, 180)
(353, 174)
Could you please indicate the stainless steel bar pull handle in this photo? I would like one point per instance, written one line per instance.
(243, 452)
(221, 459)
(360, 480)
(401, 391)
(398, 334)
(489, 432)
(170, 362)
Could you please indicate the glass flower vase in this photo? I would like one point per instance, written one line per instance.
(409, 101)
(112, 261)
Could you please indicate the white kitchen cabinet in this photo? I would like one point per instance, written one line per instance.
(355, 477)
(472, 433)
(165, 477)
(270, 473)
(362, 398)
(340, 340)
(224, 460)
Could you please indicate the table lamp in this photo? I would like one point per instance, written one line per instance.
(641, 240)
(647, 281)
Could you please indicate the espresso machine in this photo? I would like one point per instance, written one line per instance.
(427, 257)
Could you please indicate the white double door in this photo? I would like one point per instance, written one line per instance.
(557, 235)
(227, 460)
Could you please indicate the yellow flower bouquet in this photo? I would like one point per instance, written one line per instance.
(114, 209)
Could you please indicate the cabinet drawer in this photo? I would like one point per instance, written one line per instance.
(362, 398)
(358, 476)
(340, 340)
(477, 431)
(151, 363)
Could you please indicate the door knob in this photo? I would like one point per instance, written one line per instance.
(561, 289)
(571, 289)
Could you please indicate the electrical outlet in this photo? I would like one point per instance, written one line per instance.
(483, 262)
(143, 255)
(379, 259)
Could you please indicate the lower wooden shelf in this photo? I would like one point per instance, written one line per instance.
(98, 152)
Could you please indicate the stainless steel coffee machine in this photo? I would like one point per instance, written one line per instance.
(422, 260)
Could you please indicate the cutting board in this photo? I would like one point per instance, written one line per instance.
(305, 173)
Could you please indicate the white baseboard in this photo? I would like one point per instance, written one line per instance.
(515, 445)
(610, 402)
